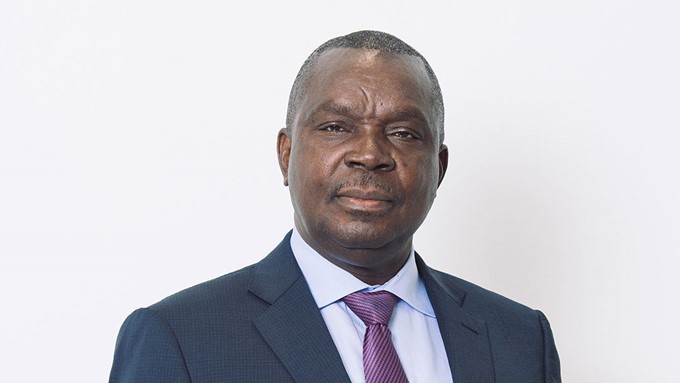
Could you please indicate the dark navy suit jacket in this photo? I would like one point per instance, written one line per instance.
(261, 324)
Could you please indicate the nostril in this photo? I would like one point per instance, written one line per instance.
(355, 164)
(383, 166)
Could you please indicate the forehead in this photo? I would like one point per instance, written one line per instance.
(340, 63)
(398, 78)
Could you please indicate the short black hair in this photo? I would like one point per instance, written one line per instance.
(373, 40)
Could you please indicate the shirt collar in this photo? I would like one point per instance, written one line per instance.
(317, 270)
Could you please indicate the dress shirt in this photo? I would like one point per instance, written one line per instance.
(414, 328)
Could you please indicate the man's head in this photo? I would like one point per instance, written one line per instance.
(362, 151)
(372, 40)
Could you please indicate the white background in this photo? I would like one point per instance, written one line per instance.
(137, 158)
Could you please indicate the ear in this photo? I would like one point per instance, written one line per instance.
(283, 143)
(443, 162)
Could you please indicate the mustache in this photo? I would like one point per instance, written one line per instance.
(365, 180)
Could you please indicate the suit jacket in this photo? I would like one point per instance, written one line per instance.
(261, 324)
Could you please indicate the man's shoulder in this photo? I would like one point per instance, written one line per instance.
(217, 291)
(519, 335)
(231, 293)
(476, 299)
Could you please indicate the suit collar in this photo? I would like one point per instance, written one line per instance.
(293, 326)
(465, 337)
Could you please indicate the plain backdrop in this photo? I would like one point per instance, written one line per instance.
(137, 158)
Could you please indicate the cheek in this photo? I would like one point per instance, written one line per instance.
(420, 176)
(309, 174)
(416, 165)
(315, 161)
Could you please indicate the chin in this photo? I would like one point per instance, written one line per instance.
(362, 236)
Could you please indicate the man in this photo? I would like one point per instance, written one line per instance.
(344, 297)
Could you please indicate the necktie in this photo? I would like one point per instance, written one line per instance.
(381, 362)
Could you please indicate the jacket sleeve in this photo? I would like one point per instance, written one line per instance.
(147, 351)
(551, 360)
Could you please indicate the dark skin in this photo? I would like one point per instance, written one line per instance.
(363, 159)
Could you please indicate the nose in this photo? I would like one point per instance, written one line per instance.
(370, 151)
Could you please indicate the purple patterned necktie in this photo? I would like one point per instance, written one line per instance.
(381, 362)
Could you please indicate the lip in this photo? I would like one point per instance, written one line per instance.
(372, 201)
(365, 194)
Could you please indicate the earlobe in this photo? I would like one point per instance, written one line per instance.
(283, 151)
(443, 163)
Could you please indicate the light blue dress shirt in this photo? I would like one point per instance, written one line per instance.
(414, 328)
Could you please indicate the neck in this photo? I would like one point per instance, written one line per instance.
(373, 266)
(371, 276)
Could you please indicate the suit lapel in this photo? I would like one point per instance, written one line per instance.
(465, 337)
(293, 326)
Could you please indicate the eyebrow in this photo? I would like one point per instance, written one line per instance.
(332, 107)
(409, 114)
(346, 110)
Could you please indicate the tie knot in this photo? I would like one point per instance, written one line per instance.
(372, 308)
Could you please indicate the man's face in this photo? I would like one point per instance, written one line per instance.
(363, 159)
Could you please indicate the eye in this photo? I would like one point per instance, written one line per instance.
(405, 134)
(333, 128)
